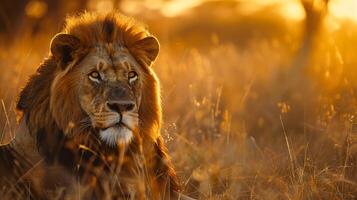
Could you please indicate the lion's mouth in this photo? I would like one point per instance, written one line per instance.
(120, 123)
(120, 132)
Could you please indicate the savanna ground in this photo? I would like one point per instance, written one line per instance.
(258, 96)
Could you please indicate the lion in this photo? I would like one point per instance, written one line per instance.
(93, 110)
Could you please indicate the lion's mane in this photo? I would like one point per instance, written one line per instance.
(49, 110)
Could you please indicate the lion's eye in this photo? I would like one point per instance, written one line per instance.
(132, 76)
(95, 76)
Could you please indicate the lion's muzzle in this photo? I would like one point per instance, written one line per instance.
(104, 120)
(117, 125)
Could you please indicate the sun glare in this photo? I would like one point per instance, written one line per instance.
(344, 9)
(292, 10)
(176, 7)
(289, 9)
(166, 8)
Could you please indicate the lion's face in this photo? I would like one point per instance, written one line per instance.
(110, 92)
(103, 87)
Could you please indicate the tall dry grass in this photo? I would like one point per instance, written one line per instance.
(240, 123)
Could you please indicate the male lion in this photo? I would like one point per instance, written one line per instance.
(93, 111)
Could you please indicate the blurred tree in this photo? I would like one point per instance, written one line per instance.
(315, 12)
(301, 90)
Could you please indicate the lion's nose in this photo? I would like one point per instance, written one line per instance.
(120, 106)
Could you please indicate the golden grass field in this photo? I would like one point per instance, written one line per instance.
(259, 102)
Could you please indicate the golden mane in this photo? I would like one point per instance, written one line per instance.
(93, 29)
(48, 109)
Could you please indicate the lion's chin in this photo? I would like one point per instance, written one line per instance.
(115, 135)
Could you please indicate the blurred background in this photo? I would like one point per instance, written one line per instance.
(259, 96)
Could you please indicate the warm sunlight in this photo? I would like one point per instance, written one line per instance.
(167, 8)
(291, 9)
(178, 99)
(173, 8)
(344, 9)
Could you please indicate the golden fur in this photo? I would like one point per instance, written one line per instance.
(52, 108)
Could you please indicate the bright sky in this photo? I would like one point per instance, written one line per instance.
(344, 9)
(292, 9)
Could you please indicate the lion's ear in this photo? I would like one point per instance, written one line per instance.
(146, 50)
(63, 46)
